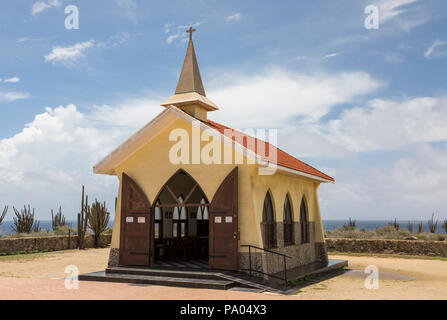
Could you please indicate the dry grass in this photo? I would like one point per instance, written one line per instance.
(387, 232)
(385, 255)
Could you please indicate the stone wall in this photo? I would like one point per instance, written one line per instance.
(301, 254)
(409, 247)
(51, 243)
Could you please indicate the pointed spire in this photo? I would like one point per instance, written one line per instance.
(190, 95)
(190, 79)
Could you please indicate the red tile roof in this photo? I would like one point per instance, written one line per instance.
(283, 159)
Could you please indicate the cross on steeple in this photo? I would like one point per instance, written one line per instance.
(190, 31)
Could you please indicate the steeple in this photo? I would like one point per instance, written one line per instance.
(190, 93)
(190, 79)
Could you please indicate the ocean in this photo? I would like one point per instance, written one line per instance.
(6, 226)
(374, 224)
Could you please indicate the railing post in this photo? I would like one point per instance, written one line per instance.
(249, 259)
(285, 271)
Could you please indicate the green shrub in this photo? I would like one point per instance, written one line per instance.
(351, 225)
(394, 224)
(63, 230)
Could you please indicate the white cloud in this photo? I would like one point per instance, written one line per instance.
(404, 16)
(331, 55)
(429, 53)
(173, 37)
(66, 145)
(234, 17)
(389, 125)
(12, 80)
(422, 176)
(41, 6)
(392, 8)
(129, 116)
(411, 187)
(283, 95)
(13, 96)
(68, 55)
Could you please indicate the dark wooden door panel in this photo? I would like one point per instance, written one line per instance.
(223, 249)
(135, 239)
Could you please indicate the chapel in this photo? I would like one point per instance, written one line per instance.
(196, 193)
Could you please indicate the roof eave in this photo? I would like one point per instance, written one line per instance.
(303, 174)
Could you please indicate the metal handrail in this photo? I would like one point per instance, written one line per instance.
(278, 253)
(249, 246)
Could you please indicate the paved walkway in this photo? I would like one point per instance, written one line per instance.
(48, 289)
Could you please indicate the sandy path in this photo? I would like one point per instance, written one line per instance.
(46, 289)
(430, 282)
(33, 277)
(43, 272)
(52, 265)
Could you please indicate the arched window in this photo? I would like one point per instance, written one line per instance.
(158, 221)
(179, 221)
(304, 223)
(202, 211)
(288, 222)
(202, 219)
(268, 222)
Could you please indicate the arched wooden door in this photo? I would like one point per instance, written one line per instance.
(223, 224)
(135, 233)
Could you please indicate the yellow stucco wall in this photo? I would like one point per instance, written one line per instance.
(150, 168)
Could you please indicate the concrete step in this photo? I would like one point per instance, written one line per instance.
(221, 284)
(192, 274)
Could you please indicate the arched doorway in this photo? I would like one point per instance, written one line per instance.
(181, 223)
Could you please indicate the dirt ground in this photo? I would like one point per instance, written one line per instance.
(40, 276)
(399, 278)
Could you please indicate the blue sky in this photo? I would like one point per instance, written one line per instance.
(368, 107)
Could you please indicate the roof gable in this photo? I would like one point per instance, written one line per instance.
(171, 114)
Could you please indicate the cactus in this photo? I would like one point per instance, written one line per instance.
(24, 221)
(2, 216)
(36, 227)
(98, 219)
(394, 224)
(58, 220)
(410, 226)
(82, 220)
(420, 228)
(432, 224)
